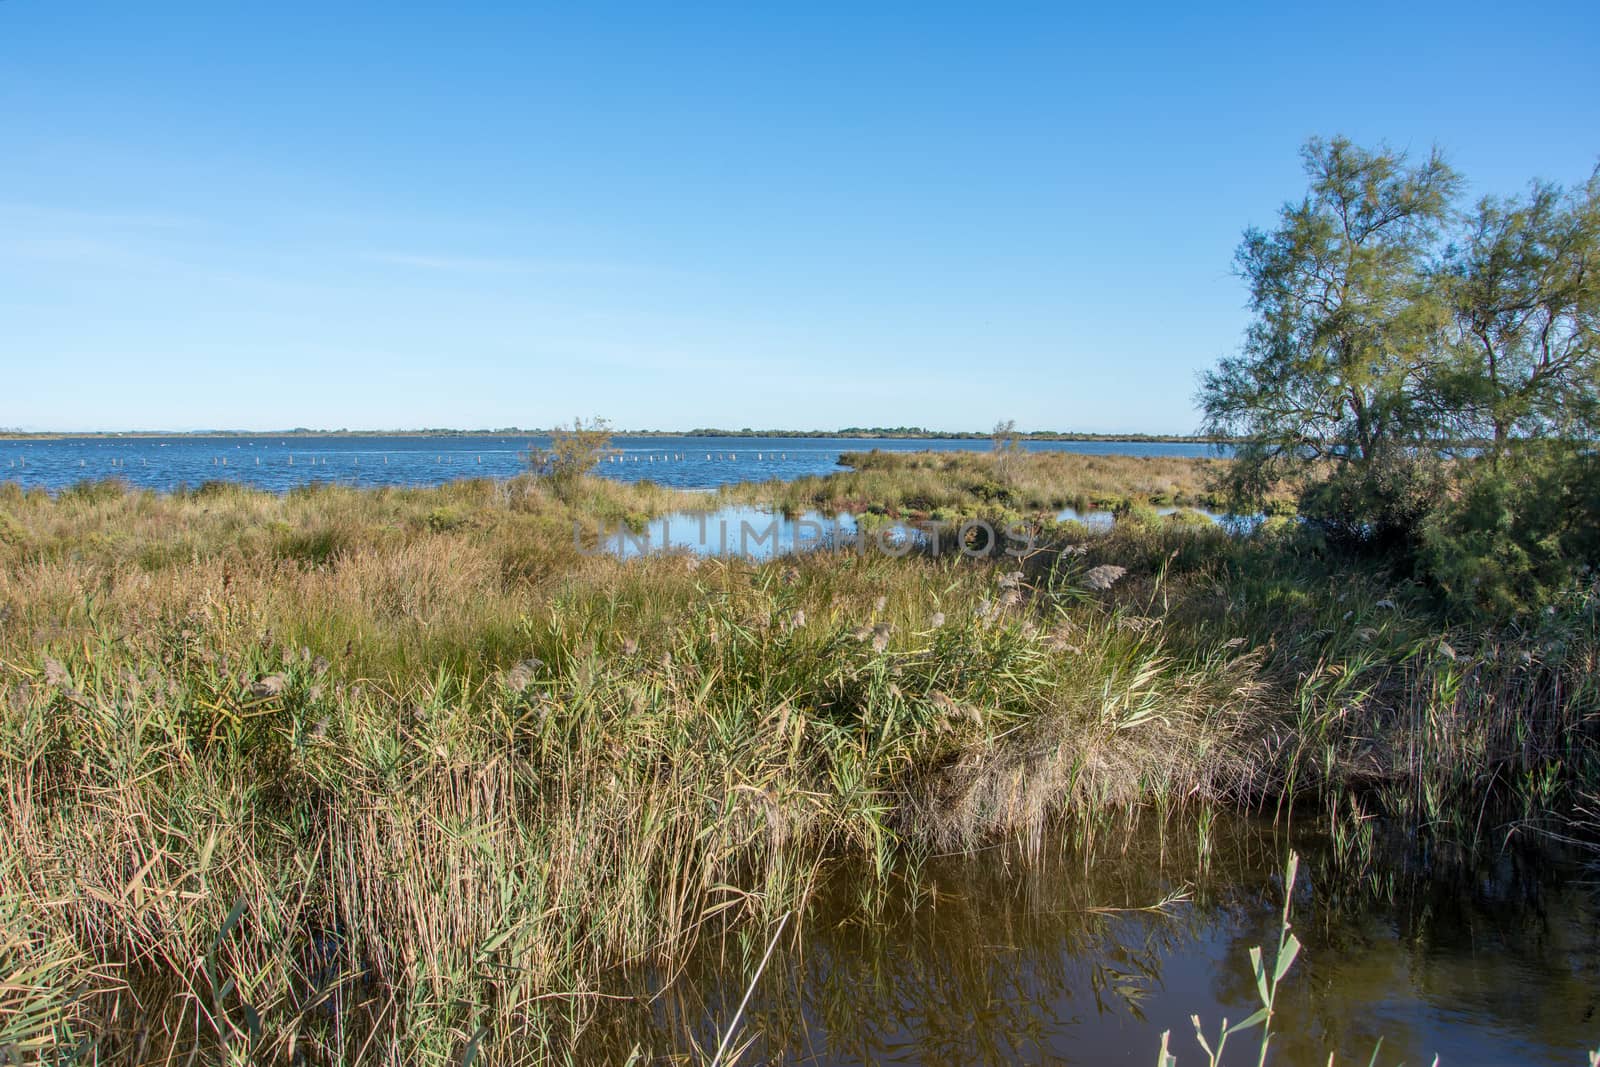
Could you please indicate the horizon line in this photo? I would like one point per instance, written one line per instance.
(702, 431)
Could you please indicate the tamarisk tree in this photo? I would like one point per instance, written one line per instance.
(1345, 335)
(1524, 287)
(1426, 377)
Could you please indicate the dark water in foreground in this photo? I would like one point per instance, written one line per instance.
(280, 463)
(1485, 959)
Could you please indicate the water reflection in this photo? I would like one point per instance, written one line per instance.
(994, 960)
(1094, 519)
(751, 532)
(1100, 519)
(760, 533)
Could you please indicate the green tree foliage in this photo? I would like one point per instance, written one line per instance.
(1524, 287)
(573, 452)
(1519, 534)
(1345, 321)
(1427, 378)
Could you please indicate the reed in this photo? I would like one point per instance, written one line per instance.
(400, 776)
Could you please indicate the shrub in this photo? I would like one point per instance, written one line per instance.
(574, 451)
(1519, 532)
(1134, 514)
(445, 518)
(1188, 518)
(1378, 505)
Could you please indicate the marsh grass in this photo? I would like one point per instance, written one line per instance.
(1028, 483)
(394, 776)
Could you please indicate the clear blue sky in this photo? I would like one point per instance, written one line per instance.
(776, 215)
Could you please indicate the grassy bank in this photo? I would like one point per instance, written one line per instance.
(390, 776)
(1028, 483)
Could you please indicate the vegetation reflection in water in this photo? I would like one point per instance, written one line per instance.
(1487, 956)
(762, 533)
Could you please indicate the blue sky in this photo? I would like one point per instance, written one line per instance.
(386, 215)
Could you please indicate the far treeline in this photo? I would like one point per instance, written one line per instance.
(1392, 323)
(914, 433)
(918, 433)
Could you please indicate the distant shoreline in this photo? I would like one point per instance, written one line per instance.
(852, 433)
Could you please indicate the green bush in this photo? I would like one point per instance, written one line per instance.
(445, 518)
(1188, 518)
(1519, 532)
(1134, 514)
(1378, 505)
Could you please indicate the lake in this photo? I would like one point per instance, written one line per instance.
(281, 463)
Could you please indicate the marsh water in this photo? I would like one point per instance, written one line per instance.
(761, 533)
(1489, 955)
(280, 463)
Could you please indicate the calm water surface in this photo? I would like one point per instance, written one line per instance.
(280, 463)
(1491, 958)
(761, 533)
(734, 530)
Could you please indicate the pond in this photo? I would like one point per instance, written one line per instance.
(761, 533)
(735, 530)
(1488, 956)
